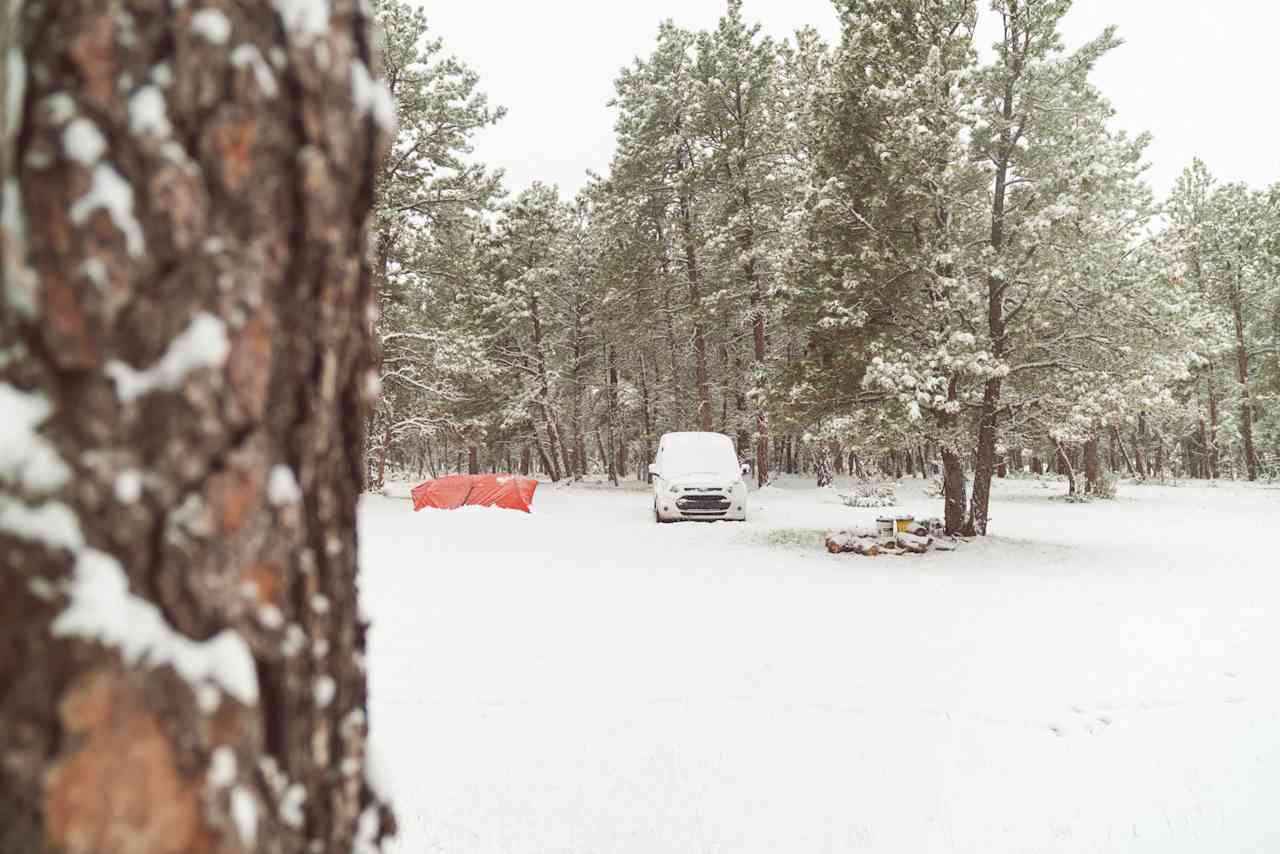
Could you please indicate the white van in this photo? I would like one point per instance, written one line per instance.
(697, 476)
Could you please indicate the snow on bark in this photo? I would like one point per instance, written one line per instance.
(51, 524)
(83, 142)
(248, 56)
(112, 193)
(304, 20)
(222, 767)
(282, 487)
(366, 841)
(95, 271)
(244, 812)
(148, 115)
(372, 97)
(324, 690)
(212, 25)
(102, 609)
(128, 486)
(203, 344)
(294, 640)
(26, 458)
(291, 803)
(15, 89)
(20, 284)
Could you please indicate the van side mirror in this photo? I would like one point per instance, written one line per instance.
(653, 469)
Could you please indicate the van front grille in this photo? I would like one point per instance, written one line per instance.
(714, 503)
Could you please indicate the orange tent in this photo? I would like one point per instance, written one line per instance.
(475, 490)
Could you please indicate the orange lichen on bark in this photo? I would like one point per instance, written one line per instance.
(250, 366)
(266, 579)
(71, 332)
(233, 496)
(116, 787)
(234, 140)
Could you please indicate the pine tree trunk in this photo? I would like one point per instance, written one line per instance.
(556, 448)
(181, 662)
(1092, 473)
(988, 422)
(606, 460)
(1124, 453)
(1067, 469)
(976, 524)
(617, 457)
(953, 490)
(382, 457)
(953, 485)
(1215, 458)
(758, 344)
(647, 421)
(822, 464)
(1138, 462)
(1242, 377)
(695, 306)
(473, 460)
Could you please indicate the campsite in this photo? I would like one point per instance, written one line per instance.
(1096, 677)
(663, 427)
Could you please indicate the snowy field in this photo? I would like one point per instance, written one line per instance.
(1098, 677)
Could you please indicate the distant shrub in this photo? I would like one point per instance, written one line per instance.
(870, 493)
(934, 487)
(1106, 486)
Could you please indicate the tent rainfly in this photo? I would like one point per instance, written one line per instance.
(476, 490)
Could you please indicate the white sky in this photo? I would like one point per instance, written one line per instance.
(1201, 75)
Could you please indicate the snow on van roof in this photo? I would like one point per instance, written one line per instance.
(698, 453)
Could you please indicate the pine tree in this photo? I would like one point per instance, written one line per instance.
(186, 370)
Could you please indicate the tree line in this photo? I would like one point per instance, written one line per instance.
(903, 252)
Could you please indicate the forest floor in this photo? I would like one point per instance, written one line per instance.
(1093, 677)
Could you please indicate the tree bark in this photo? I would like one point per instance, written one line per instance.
(984, 467)
(953, 490)
(1124, 453)
(185, 322)
(556, 447)
(1138, 461)
(617, 457)
(1092, 467)
(1242, 377)
(953, 485)
(695, 304)
(988, 421)
(822, 464)
(759, 351)
(647, 421)
(1067, 468)
(1215, 459)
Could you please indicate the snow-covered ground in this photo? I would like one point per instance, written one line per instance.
(1096, 677)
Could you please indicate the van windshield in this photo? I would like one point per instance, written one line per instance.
(699, 453)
